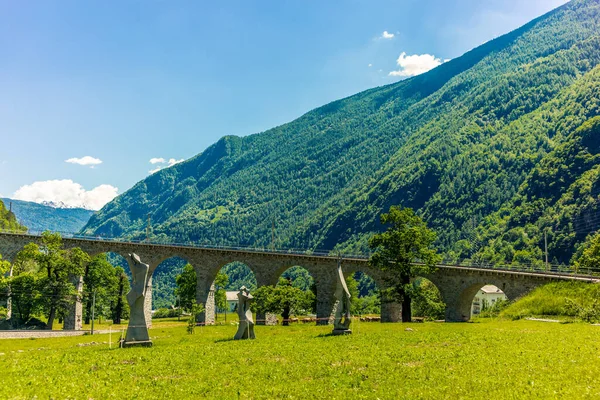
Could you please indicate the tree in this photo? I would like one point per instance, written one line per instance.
(119, 305)
(403, 252)
(25, 297)
(99, 278)
(221, 282)
(282, 299)
(186, 287)
(57, 269)
(587, 258)
(4, 279)
(427, 300)
(361, 304)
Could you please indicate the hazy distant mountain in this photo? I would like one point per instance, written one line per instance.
(40, 217)
(492, 148)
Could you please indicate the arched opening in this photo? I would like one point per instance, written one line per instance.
(365, 296)
(472, 299)
(427, 301)
(173, 289)
(293, 298)
(488, 301)
(230, 278)
(106, 281)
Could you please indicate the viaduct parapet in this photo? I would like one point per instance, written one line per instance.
(457, 285)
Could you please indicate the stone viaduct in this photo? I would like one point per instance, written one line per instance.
(457, 284)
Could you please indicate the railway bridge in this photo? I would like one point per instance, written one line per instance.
(457, 284)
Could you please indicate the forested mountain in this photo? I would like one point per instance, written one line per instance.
(39, 217)
(492, 149)
(8, 221)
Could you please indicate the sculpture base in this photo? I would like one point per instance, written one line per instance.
(341, 332)
(145, 343)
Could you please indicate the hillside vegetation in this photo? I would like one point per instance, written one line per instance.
(8, 221)
(558, 299)
(492, 149)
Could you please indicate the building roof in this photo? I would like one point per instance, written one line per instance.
(232, 295)
(491, 289)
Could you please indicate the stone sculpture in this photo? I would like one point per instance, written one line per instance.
(246, 326)
(341, 322)
(137, 330)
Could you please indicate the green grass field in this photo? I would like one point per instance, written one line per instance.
(488, 359)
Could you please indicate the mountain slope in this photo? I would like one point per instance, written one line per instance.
(456, 144)
(8, 221)
(39, 217)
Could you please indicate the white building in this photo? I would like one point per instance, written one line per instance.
(232, 299)
(486, 297)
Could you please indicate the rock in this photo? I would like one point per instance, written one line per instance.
(409, 329)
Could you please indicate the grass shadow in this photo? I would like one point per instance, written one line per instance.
(224, 340)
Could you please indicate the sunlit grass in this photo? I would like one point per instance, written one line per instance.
(491, 359)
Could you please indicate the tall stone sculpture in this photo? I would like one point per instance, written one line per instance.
(341, 322)
(137, 330)
(246, 326)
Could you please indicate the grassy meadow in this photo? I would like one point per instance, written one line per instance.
(490, 358)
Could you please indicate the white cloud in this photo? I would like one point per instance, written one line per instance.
(173, 161)
(87, 160)
(370, 65)
(387, 35)
(415, 64)
(161, 160)
(66, 193)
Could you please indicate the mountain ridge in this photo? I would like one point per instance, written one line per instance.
(41, 217)
(455, 143)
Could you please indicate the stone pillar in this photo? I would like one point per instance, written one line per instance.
(148, 300)
(74, 317)
(206, 298)
(391, 311)
(266, 319)
(325, 304)
(8, 298)
(458, 301)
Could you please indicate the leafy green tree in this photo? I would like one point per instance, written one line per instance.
(365, 301)
(99, 278)
(221, 282)
(403, 252)
(282, 299)
(4, 279)
(25, 297)
(195, 311)
(427, 300)
(56, 269)
(589, 258)
(186, 287)
(119, 305)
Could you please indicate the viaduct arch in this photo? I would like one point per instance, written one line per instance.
(457, 284)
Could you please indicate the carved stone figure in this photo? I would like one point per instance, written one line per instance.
(246, 326)
(341, 322)
(137, 330)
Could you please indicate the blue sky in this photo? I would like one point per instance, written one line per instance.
(123, 82)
